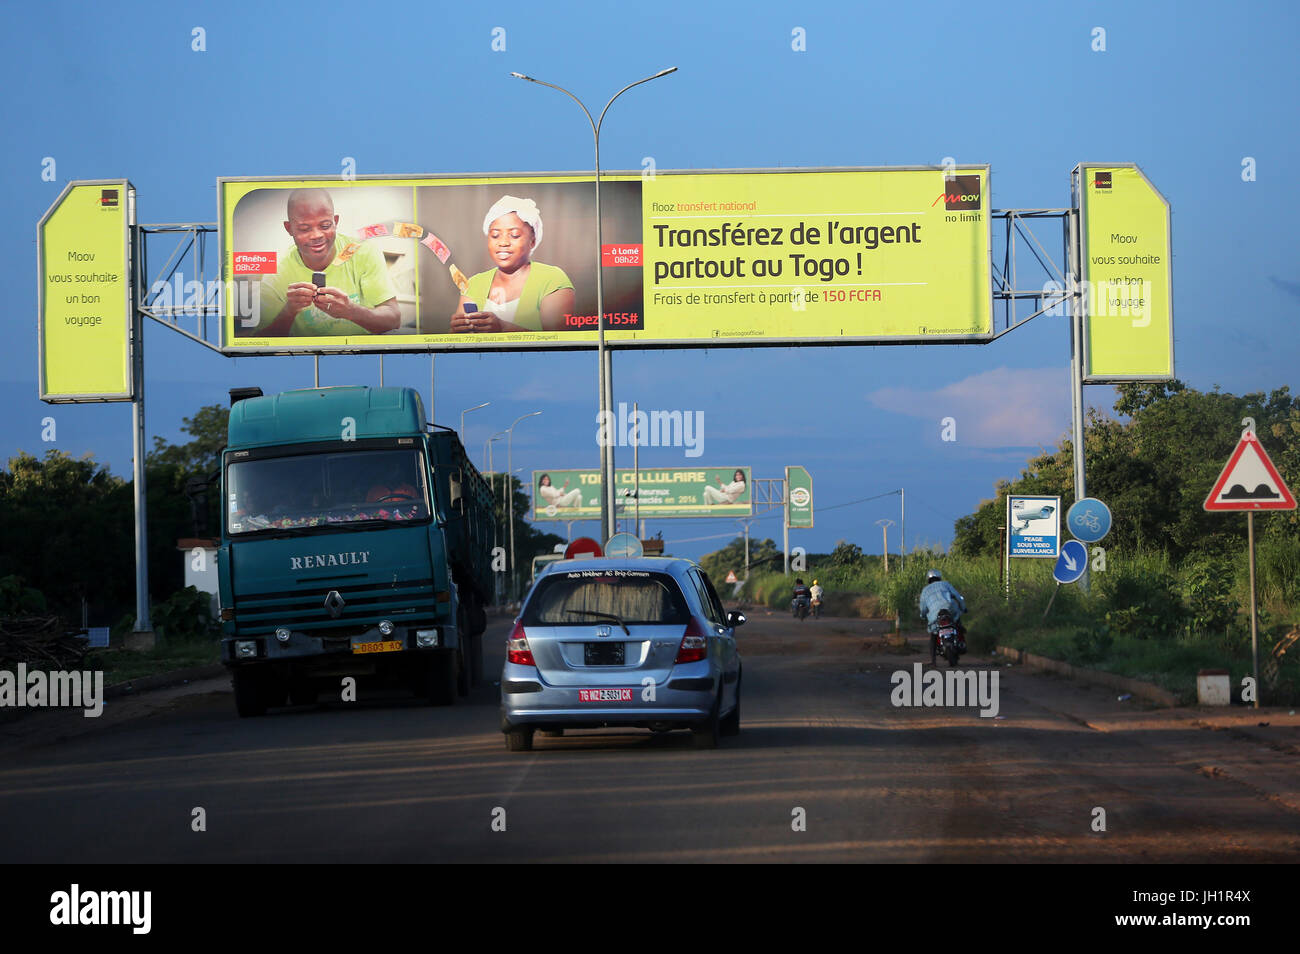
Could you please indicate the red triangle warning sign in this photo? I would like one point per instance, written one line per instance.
(731, 576)
(1249, 481)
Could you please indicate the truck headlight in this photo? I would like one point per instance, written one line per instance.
(426, 638)
(386, 627)
(282, 635)
(246, 648)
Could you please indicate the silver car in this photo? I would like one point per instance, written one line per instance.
(641, 643)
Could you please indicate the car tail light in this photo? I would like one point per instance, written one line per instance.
(517, 650)
(695, 644)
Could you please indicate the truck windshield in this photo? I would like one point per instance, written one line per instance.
(325, 490)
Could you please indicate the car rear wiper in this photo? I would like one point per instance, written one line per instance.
(622, 624)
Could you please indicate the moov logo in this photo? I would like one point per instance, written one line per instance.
(1101, 180)
(960, 192)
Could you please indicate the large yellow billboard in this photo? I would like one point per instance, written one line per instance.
(1128, 291)
(84, 294)
(691, 258)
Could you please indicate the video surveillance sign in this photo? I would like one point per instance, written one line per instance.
(1034, 526)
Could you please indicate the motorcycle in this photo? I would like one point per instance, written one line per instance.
(799, 608)
(946, 638)
(817, 609)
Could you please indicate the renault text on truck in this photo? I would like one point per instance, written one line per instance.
(355, 542)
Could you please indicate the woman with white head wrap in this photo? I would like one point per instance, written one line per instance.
(517, 294)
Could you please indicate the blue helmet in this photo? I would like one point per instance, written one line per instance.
(933, 575)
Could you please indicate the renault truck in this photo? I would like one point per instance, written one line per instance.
(356, 549)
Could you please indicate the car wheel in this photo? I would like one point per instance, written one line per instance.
(705, 735)
(730, 726)
(250, 700)
(519, 739)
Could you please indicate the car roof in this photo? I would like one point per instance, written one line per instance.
(675, 566)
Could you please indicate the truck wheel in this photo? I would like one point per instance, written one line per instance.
(519, 739)
(440, 679)
(250, 700)
(302, 692)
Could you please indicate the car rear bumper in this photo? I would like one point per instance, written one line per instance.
(685, 698)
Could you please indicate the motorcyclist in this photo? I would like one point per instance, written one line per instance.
(938, 594)
(801, 592)
(816, 592)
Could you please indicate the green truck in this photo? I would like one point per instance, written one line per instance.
(356, 541)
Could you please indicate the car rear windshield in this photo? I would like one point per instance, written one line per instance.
(575, 598)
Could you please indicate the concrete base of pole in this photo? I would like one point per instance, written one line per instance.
(141, 641)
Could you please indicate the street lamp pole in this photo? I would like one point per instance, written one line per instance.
(605, 374)
(510, 494)
(462, 417)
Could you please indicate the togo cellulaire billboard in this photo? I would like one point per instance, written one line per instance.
(697, 258)
(409, 263)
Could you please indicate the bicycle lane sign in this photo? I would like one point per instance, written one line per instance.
(1088, 520)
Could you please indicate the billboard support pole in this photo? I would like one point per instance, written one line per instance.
(785, 524)
(142, 637)
(1076, 368)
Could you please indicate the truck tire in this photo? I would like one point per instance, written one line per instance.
(250, 697)
(440, 679)
(463, 674)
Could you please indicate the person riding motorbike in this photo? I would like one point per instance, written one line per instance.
(816, 592)
(937, 595)
(801, 594)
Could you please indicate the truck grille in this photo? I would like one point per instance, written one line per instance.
(408, 603)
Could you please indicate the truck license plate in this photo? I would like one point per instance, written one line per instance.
(387, 646)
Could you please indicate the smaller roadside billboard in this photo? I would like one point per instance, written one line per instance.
(798, 498)
(662, 492)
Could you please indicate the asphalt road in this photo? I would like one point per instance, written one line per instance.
(389, 780)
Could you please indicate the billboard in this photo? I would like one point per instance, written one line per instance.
(1128, 300)
(85, 321)
(767, 257)
(1033, 526)
(683, 492)
(798, 498)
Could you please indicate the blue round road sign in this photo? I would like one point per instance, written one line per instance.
(623, 545)
(1088, 520)
(1072, 562)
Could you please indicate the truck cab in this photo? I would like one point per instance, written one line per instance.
(355, 543)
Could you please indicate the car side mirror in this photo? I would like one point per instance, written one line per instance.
(735, 619)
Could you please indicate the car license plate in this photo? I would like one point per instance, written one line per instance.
(387, 646)
(604, 695)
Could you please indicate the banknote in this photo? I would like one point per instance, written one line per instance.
(436, 246)
(407, 230)
(348, 251)
(376, 231)
(459, 278)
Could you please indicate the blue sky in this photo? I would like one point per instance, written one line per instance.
(1185, 90)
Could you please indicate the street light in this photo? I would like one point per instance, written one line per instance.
(604, 372)
(462, 417)
(510, 436)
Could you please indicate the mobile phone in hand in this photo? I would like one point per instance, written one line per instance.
(470, 308)
(318, 279)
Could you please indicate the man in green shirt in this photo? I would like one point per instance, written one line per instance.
(357, 297)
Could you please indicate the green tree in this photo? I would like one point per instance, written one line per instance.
(763, 554)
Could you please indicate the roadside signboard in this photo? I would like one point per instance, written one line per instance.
(1128, 288)
(1033, 526)
(799, 499)
(624, 545)
(84, 312)
(582, 547)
